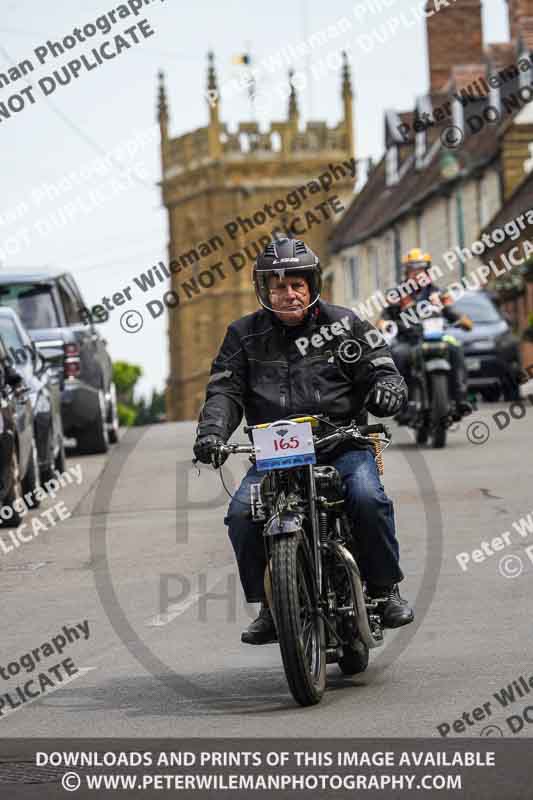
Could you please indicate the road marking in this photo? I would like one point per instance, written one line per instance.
(177, 609)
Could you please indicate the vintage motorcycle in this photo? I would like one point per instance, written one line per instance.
(312, 581)
(430, 410)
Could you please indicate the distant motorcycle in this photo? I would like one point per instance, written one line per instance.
(312, 581)
(430, 411)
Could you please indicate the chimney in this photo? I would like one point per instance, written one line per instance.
(455, 36)
(521, 21)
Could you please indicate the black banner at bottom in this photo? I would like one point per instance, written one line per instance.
(484, 769)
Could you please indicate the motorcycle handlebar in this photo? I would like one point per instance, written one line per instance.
(363, 431)
(379, 427)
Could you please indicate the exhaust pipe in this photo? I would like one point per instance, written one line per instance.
(357, 591)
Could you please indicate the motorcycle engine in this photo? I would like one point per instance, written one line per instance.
(328, 483)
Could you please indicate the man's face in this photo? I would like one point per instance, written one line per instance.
(416, 273)
(289, 298)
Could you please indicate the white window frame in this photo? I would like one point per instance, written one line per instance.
(391, 166)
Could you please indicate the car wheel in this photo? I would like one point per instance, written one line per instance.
(32, 478)
(95, 439)
(113, 424)
(14, 493)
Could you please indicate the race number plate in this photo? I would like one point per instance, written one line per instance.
(433, 327)
(473, 364)
(284, 446)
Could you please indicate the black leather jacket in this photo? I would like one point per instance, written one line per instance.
(260, 372)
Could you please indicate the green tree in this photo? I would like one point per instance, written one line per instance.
(125, 376)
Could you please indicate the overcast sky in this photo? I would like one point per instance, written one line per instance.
(118, 227)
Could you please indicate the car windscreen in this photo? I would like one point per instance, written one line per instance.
(478, 307)
(33, 302)
(10, 335)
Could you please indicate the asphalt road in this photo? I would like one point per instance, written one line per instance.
(146, 543)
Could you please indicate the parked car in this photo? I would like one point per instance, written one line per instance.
(19, 465)
(44, 386)
(51, 308)
(492, 351)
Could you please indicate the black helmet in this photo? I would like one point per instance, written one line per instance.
(286, 258)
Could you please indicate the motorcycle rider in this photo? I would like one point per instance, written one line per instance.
(416, 266)
(260, 371)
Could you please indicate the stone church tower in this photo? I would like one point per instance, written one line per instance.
(215, 185)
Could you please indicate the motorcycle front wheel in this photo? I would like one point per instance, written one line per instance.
(440, 408)
(300, 627)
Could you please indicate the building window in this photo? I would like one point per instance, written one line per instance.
(484, 210)
(373, 263)
(391, 166)
(351, 267)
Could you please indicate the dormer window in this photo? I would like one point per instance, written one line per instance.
(458, 115)
(525, 73)
(495, 97)
(420, 148)
(391, 166)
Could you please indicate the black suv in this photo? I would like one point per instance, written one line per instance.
(51, 308)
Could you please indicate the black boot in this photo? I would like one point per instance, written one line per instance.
(395, 611)
(262, 630)
(461, 409)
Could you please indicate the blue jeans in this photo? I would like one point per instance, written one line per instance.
(367, 505)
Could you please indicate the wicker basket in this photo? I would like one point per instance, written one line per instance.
(378, 450)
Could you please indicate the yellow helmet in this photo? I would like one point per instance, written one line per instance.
(416, 258)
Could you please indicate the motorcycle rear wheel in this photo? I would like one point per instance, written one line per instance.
(301, 632)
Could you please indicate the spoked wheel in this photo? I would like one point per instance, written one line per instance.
(300, 628)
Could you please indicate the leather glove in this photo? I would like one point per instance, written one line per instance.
(206, 450)
(386, 399)
(466, 323)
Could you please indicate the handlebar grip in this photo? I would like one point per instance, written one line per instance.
(377, 428)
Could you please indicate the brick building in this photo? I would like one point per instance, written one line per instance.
(215, 184)
(450, 163)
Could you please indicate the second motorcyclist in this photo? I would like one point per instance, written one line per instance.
(421, 288)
